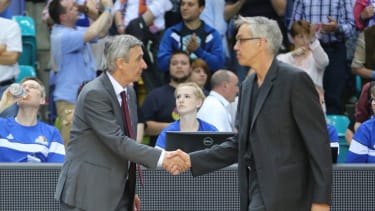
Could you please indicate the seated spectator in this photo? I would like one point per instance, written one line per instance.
(308, 54)
(189, 98)
(159, 107)
(362, 146)
(193, 36)
(23, 138)
(199, 74)
(363, 109)
(215, 109)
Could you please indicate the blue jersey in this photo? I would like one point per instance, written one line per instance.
(362, 147)
(175, 126)
(38, 143)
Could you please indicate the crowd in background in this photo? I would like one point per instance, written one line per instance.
(187, 41)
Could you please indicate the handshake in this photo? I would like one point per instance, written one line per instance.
(176, 162)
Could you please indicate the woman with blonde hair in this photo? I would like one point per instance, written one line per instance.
(189, 98)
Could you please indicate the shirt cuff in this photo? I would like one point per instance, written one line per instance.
(161, 158)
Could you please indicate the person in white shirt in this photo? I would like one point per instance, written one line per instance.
(308, 54)
(215, 109)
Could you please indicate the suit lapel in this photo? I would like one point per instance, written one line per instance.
(107, 85)
(264, 90)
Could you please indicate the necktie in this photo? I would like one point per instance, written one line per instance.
(130, 184)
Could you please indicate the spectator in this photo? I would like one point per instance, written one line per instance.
(215, 109)
(10, 50)
(363, 109)
(308, 54)
(159, 107)
(362, 146)
(144, 20)
(363, 13)
(335, 18)
(199, 74)
(193, 36)
(363, 63)
(213, 15)
(23, 138)
(189, 98)
(273, 9)
(72, 55)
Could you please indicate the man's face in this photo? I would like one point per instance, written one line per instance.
(71, 14)
(179, 67)
(34, 97)
(190, 10)
(135, 65)
(247, 46)
(232, 88)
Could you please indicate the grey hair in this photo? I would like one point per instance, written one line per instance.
(265, 28)
(118, 47)
(219, 77)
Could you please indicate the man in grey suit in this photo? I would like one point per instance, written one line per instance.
(282, 145)
(95, 170)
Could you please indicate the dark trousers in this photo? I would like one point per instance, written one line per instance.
(335, 76)
(256, 199)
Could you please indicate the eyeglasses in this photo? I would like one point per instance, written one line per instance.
(242, 40)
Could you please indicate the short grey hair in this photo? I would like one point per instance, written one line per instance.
(265, 28)
(118, 47)
(219, 77)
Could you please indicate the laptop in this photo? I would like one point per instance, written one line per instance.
(193, 141)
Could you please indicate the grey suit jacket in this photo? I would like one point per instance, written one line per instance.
(94, 173)
(289, 140)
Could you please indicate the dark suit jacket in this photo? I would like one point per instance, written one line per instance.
(289, 141)
(96, 163)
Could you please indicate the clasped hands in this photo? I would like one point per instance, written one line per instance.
(176, 162)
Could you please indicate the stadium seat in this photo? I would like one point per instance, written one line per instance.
(29, 45)
(341, 123)
(25, 71)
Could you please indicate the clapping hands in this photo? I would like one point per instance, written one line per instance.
(176, 162)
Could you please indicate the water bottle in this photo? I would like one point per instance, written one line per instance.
(17, 90)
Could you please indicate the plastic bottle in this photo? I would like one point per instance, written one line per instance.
(17, 90)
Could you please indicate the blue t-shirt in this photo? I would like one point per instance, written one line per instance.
(39, 143)
(175, 126)
(362, 147)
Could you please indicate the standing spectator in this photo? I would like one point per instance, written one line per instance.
(189, 98)
(364, 13)
(335, 18)
(10, 50)
(193, 36)
(72, 55)
(215, 109)
(308, 54)
(159, 107)
(24, 138)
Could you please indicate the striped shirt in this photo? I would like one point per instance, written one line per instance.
(317, 11)
(39, 143)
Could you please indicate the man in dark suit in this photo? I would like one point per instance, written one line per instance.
(96, 167)
(282, 146)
